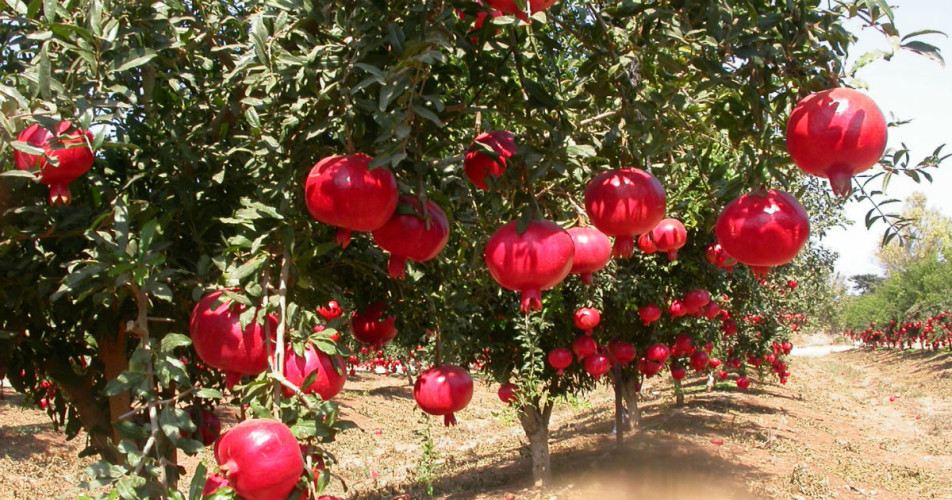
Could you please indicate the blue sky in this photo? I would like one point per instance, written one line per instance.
(909, 86)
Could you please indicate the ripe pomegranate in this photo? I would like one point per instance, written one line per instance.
(678, 372)
(699, 360)
(836, 134)
(220, 343)
(646, 245)
(649, 367)
(792, 284)
(718, 258)
(330, 376)
(711, 310)
(658, 352)
(729, 327)
(510, 7)
(593, 250)
(624, 203)
(260, 458)
(669, 236)
(684, 344)
(371, 327)
(507, 392)
(597, 365)
(331, 312)
(415, 235)
(695, 300)
(560, 358)
(763, 230)
(341, 191)
(649, 314)
(677, 308)
(743, 383)
(709, 346)
(587, 318)
(622, 352)
(722, 375)
(71, 150)
(477, 164)
(584, 346)
(536, 260)
(714, 362)
(208, 425)
(213, 483)
(443, 391)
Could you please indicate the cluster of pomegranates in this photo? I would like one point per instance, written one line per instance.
(932, 333)
(595, 359)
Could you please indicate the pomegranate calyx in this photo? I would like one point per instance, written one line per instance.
(624, 247)
(531, 301)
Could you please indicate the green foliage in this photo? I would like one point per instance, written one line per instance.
(922, 290)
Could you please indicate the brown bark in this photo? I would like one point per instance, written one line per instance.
(536, 426)
(678, 393)
(115, 360)
(93, 417)
(630, 393)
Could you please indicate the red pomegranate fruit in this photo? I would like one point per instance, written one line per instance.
(695, 300)
(649, 314)
(714, 362)
(587, 318)
(658, 353)
(213, 483)
(342, 191)
(648, 367)
(330, 376)
(699, 360)
(678, 372)
(560, 358)
(593, 250)
(624, 203)
(718, 258)
(763, 230)
(538, 259)
(477, 165)
(260, 458)
(743, 383)
(584, 346)
(597, 365)
(646, 245)
(444, 391)
(330, 312)
(507, 393)
(221, 343)
(69, 148)
(836, 134)
(669, 236)
(509, 7)
(413, 235)
(371, 327)
(684, 344)
(677, 308)
(622, 352)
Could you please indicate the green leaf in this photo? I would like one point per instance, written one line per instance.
(248, 268)
(136, 59)
(23, 174)
(208, 393)
(928, 50)
(173, 341)
(427, 114)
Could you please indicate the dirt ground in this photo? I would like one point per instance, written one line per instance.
(849, 425)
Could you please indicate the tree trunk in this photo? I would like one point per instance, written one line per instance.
(678, 393)
(630, 393)
(115, 359)
(536, 426)
(619, 409)
(94, 418)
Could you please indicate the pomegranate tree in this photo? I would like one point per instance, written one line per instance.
(836, 134)
(220, 341)
(260, 459)
(416, 235)
(343, 192)
(593, 250)
(624, 203)
(763, 230)
(70, 150)
(477, 164)
(444, 391)
(537, 259)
